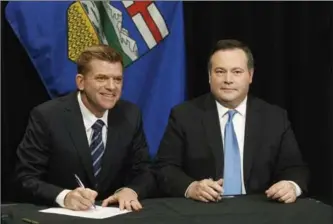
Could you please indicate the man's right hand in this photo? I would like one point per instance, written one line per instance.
(80, 199)
(206, 190)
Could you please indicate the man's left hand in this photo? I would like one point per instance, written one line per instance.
(283, 191)
(127, 199)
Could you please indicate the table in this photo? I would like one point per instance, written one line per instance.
(239, 210)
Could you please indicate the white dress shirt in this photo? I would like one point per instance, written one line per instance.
(88, 119)
(239, 121)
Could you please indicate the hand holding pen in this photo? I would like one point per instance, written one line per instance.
(82, 186)
(81, 198)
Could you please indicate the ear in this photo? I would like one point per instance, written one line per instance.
(209, 77)
(79, 81)
(251, 74)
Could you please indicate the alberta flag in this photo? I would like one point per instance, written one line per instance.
(149, 35)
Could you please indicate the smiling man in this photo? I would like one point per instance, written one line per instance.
(229, 143)
(90, 133)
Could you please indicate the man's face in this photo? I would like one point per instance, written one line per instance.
(230, 77)
(101, 86)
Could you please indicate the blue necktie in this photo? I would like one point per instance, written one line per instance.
(97, 146)
(232, 183)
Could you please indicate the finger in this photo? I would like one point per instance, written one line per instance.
(220, 182)
(207, 196)
(274, 189)
(121, 204)
(87, 194)
(212, 192)
(270, 191)
(128, 206)
(286, 196)
(92, 194)
(110, 200)
(138, 204)
(280, 193)
(78, 206)
(77, 198)
(209, 183)
(105, 203)
(290, 200)
(215, 186)
(84, 201)
(135, 205)
(200, 198)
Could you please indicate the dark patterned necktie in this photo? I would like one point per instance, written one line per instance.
(97, 146)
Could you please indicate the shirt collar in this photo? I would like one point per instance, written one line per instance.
(241, 108)
(89, 118)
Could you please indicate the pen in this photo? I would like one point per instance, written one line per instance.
(81, 185)
(29, 221)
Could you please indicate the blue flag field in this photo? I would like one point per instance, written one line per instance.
(149, 35)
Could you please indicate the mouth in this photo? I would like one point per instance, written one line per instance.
(228, 89)
(108, 95)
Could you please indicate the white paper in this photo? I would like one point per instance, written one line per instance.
(94, 213)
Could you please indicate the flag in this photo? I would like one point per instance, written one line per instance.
(148, 34)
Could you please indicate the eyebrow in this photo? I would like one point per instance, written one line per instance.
(237, 68)
(112, 75)
(231, 68)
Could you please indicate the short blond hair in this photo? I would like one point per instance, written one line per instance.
(99, 52)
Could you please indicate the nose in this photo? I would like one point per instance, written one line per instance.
(228, 78)
(110, 84)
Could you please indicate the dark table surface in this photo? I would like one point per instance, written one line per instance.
(244, 209)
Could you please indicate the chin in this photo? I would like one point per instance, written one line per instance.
(108, 106)
(228, 99)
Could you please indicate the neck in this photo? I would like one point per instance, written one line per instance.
(231, 104)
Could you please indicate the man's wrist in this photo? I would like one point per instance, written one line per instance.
(188, 189)
(120, 189)
(60, 199)
(298, 190)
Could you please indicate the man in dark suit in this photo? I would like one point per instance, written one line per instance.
(92, 134)
(229, 143)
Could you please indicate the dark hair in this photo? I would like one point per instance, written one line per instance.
(230, 44)
(99, 52)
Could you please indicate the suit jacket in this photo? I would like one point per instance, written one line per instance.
(55, 147)
(192, 148)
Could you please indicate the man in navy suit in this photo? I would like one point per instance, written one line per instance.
(90, 133)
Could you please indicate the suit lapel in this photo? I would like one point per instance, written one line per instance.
(212, 129)
(110, 154)
(252, 136)
(75, 126)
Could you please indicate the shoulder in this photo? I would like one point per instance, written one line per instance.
(127, 107)
(127, 111)
(267, 110)
(54, 106)
(193, 106)
(265, 106)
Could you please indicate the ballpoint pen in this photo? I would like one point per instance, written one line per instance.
(81, 185)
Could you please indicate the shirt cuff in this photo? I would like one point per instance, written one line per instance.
(298, 189)
(186, 196)
(61, 198)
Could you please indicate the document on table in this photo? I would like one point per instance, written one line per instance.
(94, 213)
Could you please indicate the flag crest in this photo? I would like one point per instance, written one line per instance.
(149, 35)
